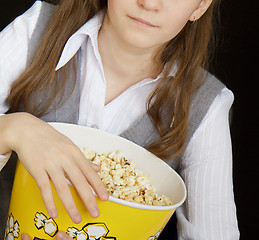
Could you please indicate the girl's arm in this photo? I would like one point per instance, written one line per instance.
(14, 43)
(4, 157)
(43, 151)
(47, 154)
(209, 211)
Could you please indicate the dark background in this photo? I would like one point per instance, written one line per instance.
(235, 63)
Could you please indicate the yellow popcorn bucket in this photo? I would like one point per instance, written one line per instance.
(119, 219)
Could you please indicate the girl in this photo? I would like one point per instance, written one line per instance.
(135, 68)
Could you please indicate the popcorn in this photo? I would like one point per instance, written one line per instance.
(124, 181)
(88, 153)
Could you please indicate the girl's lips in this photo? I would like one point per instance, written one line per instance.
(142, 22)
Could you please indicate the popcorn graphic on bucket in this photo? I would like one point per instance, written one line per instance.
(49, 225)
(91, 231)
(119, 219)
(12, 228)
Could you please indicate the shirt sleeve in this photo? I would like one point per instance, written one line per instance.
(209, 211)
(14, 42)
(3, 159)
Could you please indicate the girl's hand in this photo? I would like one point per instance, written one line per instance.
(47, 154)
(60, 236)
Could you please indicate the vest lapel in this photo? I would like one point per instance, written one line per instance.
(68, 112)
(142, 132)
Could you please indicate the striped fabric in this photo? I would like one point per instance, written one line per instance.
(209, 211)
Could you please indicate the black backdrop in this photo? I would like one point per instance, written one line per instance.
(235, 63)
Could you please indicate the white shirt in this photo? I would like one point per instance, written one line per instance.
(209, 211)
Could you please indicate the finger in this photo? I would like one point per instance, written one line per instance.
(92, 177)
(43, 183)
(62, 236)
(25, 236)
(64, 194)
(96, 167)
(84, 190)
(78, 154)
(95, 181)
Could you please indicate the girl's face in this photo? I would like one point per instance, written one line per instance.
(151, 23)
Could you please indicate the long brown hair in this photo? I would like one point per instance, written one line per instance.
(172, 96)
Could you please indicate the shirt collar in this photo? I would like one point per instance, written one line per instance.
(90, 28)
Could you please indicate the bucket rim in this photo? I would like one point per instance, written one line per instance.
(125, 202)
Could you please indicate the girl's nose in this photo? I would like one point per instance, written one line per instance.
(150, 5)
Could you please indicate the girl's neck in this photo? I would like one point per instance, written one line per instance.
(122, 59)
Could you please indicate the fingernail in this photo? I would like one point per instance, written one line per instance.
(53, 213)
(105, 196)
(95, 213)
(61, 236)
(77, 218)
(24, 236)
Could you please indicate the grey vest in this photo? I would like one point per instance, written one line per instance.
(141, 132)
